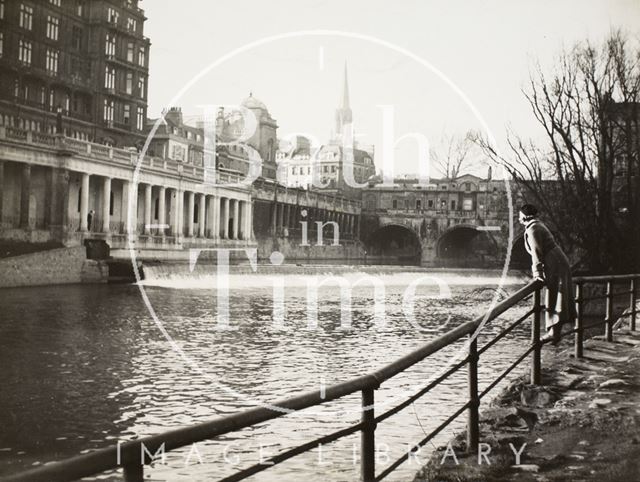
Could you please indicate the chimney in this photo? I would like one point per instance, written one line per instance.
(174, 115)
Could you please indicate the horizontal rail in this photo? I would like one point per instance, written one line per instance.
(463, 330)
(500, 377)
(424, 441)
(506, 331)
(605, 278)
(422, 392)
(300, 449)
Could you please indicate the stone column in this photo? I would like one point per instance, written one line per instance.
(162, 207)
(25, 196)
(236, 215)
(176, 228)
(287, 215)
(190, 213)
(211, 206)
(106, 204)
(59, 208)
(147, 208)
(248, 220)
(124, 210)
(84, 202)
(202, 214)
(1, 188)
(225, 218)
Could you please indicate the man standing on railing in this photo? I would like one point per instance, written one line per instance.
(550, 264)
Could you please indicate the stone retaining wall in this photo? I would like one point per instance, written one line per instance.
(52, 267)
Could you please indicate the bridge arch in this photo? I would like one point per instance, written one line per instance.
(466, 243)
(394, 243)
(520, 258)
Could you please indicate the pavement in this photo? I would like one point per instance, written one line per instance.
(581, 424)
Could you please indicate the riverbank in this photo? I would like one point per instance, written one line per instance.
(583, 423)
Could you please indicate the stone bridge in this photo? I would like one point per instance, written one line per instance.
(440, 239)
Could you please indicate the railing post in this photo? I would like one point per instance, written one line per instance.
(473, 422)
(579, 336)
(536, 364)
(632, 325)
(608, 317)
(368, 438)
(134, 472)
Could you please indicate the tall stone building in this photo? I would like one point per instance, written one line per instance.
(78, 66)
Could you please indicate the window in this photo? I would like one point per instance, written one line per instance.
(52, 97)
(406, 204)
(109, 77)
(52, 27)
(430, 203)
(55, 2)
(110, 45)
(79, 8)
(126, 114)
(24, 52)
(1, 43)
(467, 204)
(112, 15)
(131, 24)
(453, 205)
(141, 87)
(52, 61)
(76, 37)
(333, 168)
(129, 83)
(418, 204)
(130, 52)
(26, 16)
(1, 9)
(108, 111)
(141, 57)
(140, 118)
(395, 204)
(467, 186)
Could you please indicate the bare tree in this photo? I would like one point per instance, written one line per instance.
(452, 155)
(585, 176)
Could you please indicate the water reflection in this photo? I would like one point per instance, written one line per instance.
(86, 365)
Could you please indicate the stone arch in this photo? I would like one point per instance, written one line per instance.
(394, 243)
(465, 242)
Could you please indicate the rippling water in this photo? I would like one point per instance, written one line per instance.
(86, 366)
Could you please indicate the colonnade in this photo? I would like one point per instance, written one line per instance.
(289, 216)
(211, 216)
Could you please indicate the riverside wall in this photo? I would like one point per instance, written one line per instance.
(52, 267)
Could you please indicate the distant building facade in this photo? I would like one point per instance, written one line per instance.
(323, 167)
(76, 66)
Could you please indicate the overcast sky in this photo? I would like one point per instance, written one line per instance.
(484, 48)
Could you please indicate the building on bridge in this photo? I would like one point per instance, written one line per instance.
(78, 68)
(461, 221)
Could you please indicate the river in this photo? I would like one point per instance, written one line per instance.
(85, 366)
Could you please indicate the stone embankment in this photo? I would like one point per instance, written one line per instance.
(52, 267)
(581, 424)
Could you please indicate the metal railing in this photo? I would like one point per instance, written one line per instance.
(133, 455)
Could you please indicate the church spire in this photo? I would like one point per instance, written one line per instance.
(344, 116)
(345, 89)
